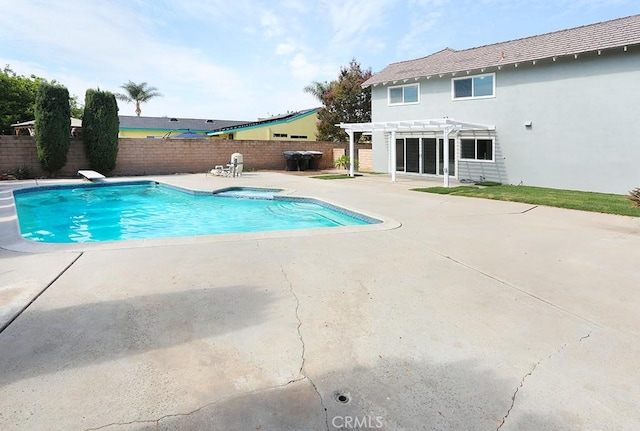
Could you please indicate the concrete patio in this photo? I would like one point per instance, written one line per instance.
(457, 313)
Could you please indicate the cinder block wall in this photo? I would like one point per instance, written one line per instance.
(364, 155)
(365, 159)
(20, 152)
(141, 156)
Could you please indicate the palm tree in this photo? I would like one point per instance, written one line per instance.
(318, 89)
(137, 93)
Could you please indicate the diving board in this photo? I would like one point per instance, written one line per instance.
(91, 175)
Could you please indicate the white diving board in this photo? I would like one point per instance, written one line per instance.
(91, 175)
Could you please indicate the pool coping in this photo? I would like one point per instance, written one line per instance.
(12, 240)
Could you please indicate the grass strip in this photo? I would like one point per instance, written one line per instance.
(570, 199)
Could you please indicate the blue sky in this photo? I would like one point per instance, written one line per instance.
(242, 59)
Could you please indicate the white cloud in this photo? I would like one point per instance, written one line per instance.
(419, 40)
(285, 48)
(271, 24)
(302, 69)
(351, 19)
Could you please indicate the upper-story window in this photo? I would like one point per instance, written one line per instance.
(474, 87)
(404, 94)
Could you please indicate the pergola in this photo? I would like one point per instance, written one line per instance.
(391, 128)
(28, 127)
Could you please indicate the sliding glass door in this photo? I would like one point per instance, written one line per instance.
(424, 156)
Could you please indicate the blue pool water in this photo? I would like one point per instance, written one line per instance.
(111, 212)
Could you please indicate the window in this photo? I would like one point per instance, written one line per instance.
(473, 87)
(404, 94)
(476, 149)
(298, 136)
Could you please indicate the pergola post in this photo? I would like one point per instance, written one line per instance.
(393, 156)
(445, 156)
(351, 153)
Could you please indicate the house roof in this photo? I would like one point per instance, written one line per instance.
(277, 119)
(173, 123)
(617, 33)
(75, 122)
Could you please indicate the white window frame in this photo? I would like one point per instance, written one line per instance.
(417, 84)
(475, 149)
(453, 92)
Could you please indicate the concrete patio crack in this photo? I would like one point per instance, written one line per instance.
(501, 281)
(515, 394)
(303, 354)
(211, 404)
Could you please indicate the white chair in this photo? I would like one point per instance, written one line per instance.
(223, 171)
(233, 169)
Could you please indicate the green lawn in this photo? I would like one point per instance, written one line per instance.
(584, 201)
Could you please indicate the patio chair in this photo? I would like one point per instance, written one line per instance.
(225, 171)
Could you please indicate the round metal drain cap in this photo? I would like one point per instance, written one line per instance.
(342, 397)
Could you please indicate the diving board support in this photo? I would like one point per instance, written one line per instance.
(91, 175)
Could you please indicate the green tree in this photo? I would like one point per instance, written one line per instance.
(17, 99)
(77, 110)
(52, 127)
(137, 93)
(344, 101)
(100, 129)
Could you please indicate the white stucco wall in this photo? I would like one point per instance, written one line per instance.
(584, 112)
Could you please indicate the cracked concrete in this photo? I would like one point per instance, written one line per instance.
(303, 357)
(437, 324)
(529, 374)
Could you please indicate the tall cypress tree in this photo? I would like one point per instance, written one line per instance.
(100, 129)
(52, 126)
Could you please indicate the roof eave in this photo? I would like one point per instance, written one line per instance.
(492, 67)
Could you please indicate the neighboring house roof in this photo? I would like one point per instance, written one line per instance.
(75, 122)
(617, 33)
(278, 119)
(173, 123)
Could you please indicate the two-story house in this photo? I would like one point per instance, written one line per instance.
(555, 110)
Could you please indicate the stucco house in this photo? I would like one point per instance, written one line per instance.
(132, 126)
(555, 110)
(293, 126)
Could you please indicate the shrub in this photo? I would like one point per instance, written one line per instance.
(634, 195)
(21, 173)
(100, 130)
(52, 126)
(344, 162)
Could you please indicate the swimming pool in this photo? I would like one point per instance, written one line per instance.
(148, 209)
